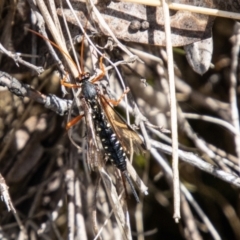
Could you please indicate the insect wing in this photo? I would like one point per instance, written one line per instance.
(123, 131)
(94, 154)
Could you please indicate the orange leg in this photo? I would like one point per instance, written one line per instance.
(73, 121)
(69, 85)
(103, 71)
(116, 102)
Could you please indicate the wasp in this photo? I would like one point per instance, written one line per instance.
(115, 135)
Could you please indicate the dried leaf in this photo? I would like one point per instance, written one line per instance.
(199, 55)
(144, 24)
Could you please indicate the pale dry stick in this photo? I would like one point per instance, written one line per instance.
(93, 190)
(127, 218)
(5, 197)
(76, 92)
(56, 35)
(52, 218)
(70, 39)
(200, 212)
(106, 220)
(111, 227)
(230, 164)
(105, 209)
(4, 194)
(53, 10)
(189, 197)
(137, 180)
(173, 111)
(139, 221)
(70, 181)
(93, 214)
(200, 143)
(35, 227)
(223, 154)
(58, 105)
(187, 215)
(147, 55)
(184, 7)
(214, 120)
(54, 227)
(233, 88)
(206, 11)
(33, 41)
(103, 24)
(117, 209)
(17, 59)
(37, 19)
(80, 223)
(218, 155)
(190, 231)
(83, 30)
(7, 27)
(198, 162)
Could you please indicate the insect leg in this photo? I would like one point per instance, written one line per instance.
(69, 85)
(116, 102)
(125, 174)
(74, 121)
(103, 71)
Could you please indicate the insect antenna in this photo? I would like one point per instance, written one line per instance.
(125, 174)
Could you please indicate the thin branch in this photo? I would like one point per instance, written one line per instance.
(214, 120)
(104, 25)
(70, 182)
(56, 35)
(198, 162)
(58, 105)
(203, 216)
(184, 7)
(17, 59)
(233, 87)
(174, 128)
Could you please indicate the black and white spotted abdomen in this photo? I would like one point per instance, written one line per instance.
(111, 144)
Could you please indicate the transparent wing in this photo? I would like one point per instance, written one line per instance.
(94, 153)
(123, 131)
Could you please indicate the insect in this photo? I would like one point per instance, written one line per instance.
(114, 134)
(112, 131)
(109, 134)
